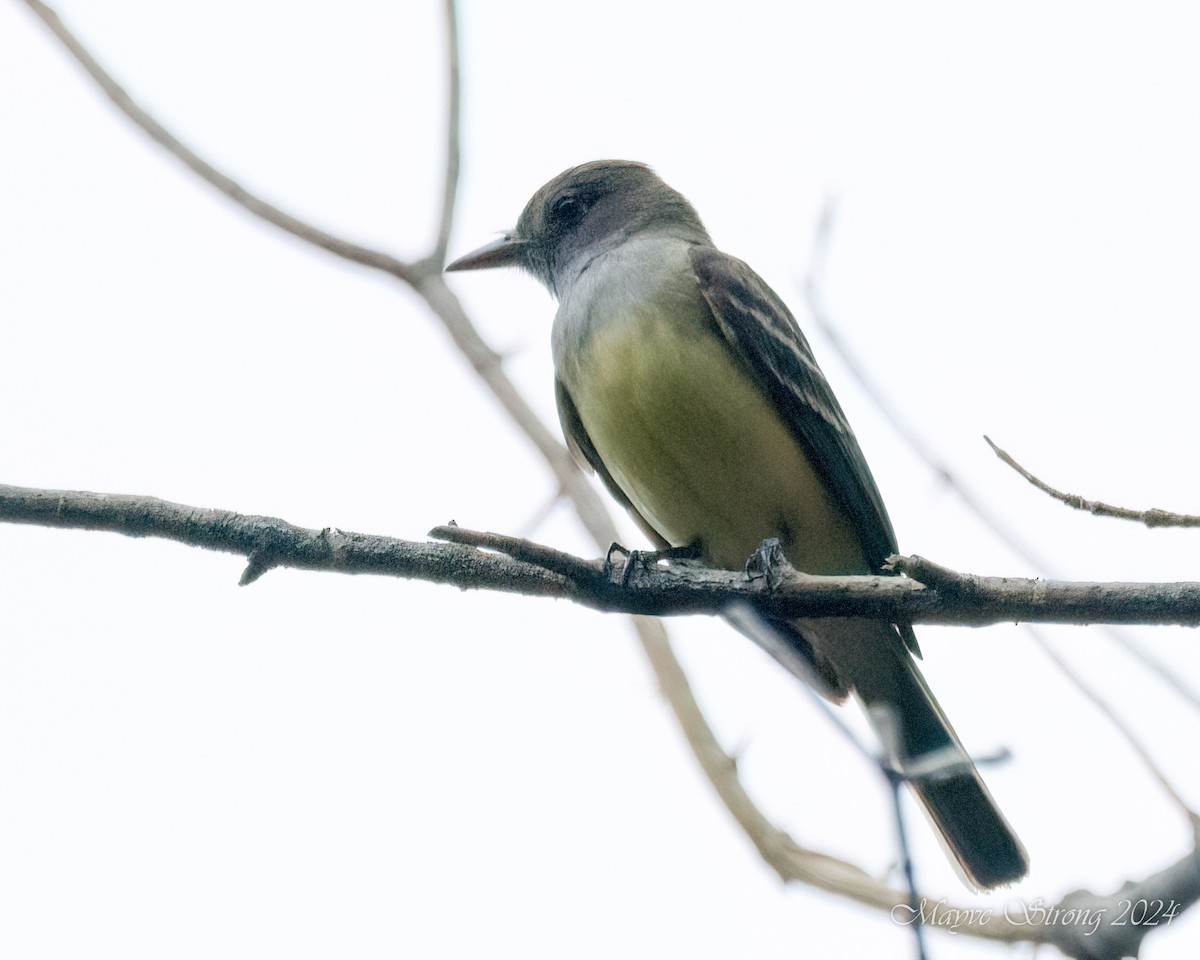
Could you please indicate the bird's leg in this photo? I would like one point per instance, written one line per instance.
(645, 558)
(769, 563)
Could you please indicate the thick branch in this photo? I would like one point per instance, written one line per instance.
(941, 596)
(535, 570)
(427, 280)
(1090, 926)
(424, 276)
(982, 510)
(268, 542)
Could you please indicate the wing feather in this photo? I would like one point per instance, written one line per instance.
(763, 334)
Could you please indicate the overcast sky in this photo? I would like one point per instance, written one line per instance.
(322, 766)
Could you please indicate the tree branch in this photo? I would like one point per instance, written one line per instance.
(437, 259)
(928, 593)
(978, 506)
(471, 561)
(267, 542)
(1110, 713)
(210, 174)
(1091, 926)
(427, 280)
(1153, 517)
(890, 411)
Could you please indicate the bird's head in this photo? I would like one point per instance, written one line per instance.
(583, 212)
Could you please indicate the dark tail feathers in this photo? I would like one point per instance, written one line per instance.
(870, 658)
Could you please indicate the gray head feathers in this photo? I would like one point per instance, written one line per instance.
(591, 208)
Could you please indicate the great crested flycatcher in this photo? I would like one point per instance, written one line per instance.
(684, 381)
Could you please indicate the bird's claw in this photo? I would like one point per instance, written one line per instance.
(769, 563)
(644, 559)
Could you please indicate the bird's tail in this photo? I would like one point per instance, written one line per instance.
(869, 658)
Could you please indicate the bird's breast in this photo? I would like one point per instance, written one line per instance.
(691, 439)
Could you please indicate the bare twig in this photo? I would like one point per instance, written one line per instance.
(487, 365)
(231, 188)
(791, 861)
(437, 258)
(973, 502)
(426, 279)
(1151, 518)
(890, 411)
(520, 549)
(534, 522)
(1176, 885)
(1172, 678)
(1110, 713)
(756, 627)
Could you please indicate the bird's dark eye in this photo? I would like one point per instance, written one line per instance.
(569, 210)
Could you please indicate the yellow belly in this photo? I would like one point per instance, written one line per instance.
(701, 452)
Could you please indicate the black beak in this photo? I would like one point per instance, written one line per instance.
(508, 251)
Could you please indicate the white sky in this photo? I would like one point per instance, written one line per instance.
(322, 766)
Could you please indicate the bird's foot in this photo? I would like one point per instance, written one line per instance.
(643, 558)
(769, 563)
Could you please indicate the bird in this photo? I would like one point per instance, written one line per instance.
(685, 383)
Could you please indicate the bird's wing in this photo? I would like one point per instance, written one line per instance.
(584, 452)
(764, 336)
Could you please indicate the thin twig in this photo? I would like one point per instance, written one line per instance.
(429, 283)
(1126, 732)
(488, 366)
(553, 560)
(1151, 518)
(534, 522)
(821, 316)
(792, 862)
(907, 867)
(425, 278)
(974, 503)
(1001, 529)
(231, 188)
(437, 258)
(757, 629)
(1167, 675)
